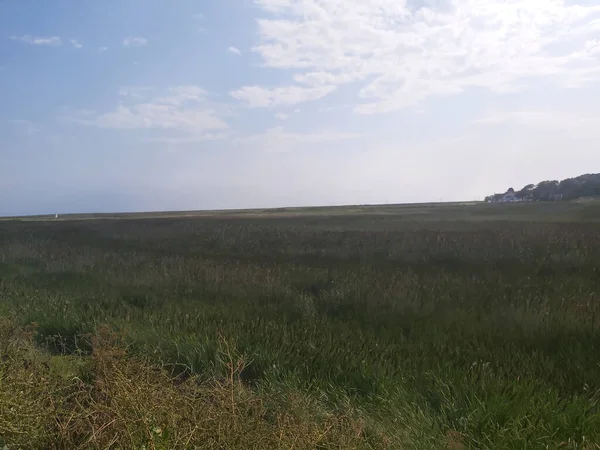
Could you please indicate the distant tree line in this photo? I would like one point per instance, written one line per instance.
(587, 185)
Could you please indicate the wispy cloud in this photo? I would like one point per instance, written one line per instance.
(26, 126)
(199, 17)
(38, 40)
(577, 125)
(281, 116)
(189, 139)
(234, 50)
(261, 97)
(135, 41)
(185, 112)
(136, 92)
(278, 139)
(397, 54)
(76, 44)
(102, 49)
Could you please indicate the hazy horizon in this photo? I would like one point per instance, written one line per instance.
(250, 208)
(147, 106)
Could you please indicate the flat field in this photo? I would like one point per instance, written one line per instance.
(400, 326)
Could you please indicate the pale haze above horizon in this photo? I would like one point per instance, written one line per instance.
(143, 105)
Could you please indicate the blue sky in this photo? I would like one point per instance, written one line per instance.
(137, 105)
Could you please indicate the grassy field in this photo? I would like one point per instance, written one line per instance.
(401, 327)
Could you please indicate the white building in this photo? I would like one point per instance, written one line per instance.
(510, 197)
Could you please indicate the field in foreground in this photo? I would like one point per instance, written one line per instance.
(473, 326)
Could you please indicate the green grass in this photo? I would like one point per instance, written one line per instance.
(416, 326)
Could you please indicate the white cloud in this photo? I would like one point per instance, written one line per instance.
(278, 139)
(401, 52)
(76, 44)
(592, 47)
(183, 111)
(260, 97)
(33, 40)
(102, 49)
(234, 50)
(281, 116)
(135, 41)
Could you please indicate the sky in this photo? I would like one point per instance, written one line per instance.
(144, 105)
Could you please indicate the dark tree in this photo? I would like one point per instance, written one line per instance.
(587, 185)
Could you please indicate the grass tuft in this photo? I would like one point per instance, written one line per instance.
(112, 399)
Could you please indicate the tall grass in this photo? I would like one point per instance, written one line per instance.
(422, 333)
